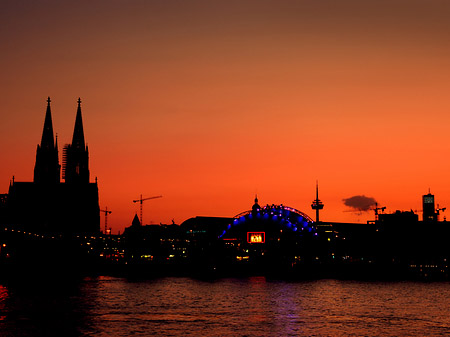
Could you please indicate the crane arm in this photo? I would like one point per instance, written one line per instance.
(141, 200)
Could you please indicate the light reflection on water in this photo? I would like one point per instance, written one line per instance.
(108, 306)
(3, 297)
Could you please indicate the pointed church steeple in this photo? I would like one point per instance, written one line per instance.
(47, 168)
(76, 155)
(47, 140)
(78, 133)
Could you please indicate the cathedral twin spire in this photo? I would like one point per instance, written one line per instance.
(47, 168)
(78, 133)
(75, 155)
(47, 140)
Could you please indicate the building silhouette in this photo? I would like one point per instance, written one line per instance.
(76, 155)
(47, 168)
(429, 210)
(278, 240)
(48, 205)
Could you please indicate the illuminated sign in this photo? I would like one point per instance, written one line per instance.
(256, 237)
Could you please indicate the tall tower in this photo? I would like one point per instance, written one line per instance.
(76, 155)
(317, 204)
(47, 168)
(429, 211)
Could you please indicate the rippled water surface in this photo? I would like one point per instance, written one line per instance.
(108, 306)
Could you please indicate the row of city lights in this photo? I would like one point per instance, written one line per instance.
(53, 237)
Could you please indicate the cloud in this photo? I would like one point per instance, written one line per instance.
(360, 203)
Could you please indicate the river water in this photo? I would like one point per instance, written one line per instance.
(254, 306)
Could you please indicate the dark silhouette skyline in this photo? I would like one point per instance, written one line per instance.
(208, 103)
(272, 238)
(48, 205)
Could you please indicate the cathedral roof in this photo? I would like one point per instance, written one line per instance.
(135, 221)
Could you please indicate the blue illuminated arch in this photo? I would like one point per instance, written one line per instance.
(287, 217)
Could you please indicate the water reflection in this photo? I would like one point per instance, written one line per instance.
(107, 306)
(42, 308)
(3, 297)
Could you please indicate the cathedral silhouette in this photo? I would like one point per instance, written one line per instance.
(48, 205)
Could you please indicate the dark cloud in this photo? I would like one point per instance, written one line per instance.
(360, 203)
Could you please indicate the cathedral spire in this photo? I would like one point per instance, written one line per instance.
(78, 133)
(47, 140)
(47, 168)
(76, 155)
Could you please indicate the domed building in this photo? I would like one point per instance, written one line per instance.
(266, 237)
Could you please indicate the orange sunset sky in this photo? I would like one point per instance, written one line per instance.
(210, 102)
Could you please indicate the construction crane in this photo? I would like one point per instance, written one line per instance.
(106, 217)
(140, 200)
(376, 209)
(438, 210)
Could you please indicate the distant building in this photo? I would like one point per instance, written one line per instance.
(429, 210)
(47, 205)
(156, 244)
(277, 240)
(398, 218)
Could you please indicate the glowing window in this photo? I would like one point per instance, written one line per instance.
(256, 237)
